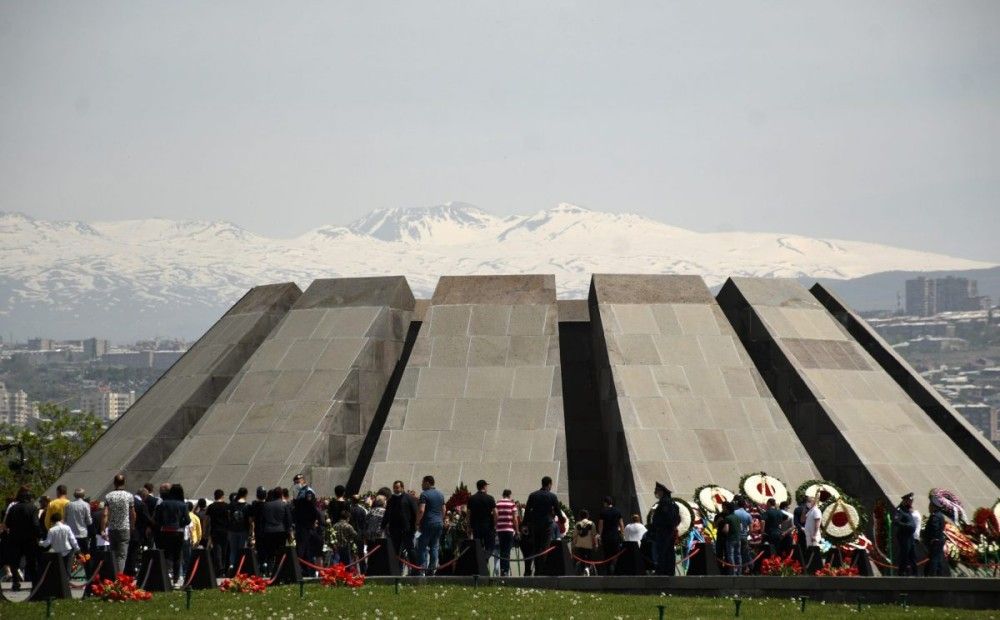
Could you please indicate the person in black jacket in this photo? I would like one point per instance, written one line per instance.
(903, 529)
(171, 517)
(275, 529)
(23, 531)
(400, 519)
(933, 536)
(539, 512)
(666, 518)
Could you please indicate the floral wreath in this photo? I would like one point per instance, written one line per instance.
(843, 520)
(687, 514)
(760, 487)
(710, 497)
(949, 501)
(822, 490)
(570, 521)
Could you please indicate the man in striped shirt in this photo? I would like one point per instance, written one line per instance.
(507, 525)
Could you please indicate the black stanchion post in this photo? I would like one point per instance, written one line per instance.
(737, 602)
(662, 608)
(302, 589)
(187, 597)
(802, 601)
(904, 599)
(859, 603)
(54, 581)
(397, 586)
(48, 607)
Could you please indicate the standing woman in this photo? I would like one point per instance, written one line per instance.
(171, 517)
(610, 528)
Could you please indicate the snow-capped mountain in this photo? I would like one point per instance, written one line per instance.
(139, 278)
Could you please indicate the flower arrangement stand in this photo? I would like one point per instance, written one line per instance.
(383, 562)
(473, 559)
(247, 562)
(704, 561)
(204, 576)
(56, 580)
(101, 557)
(290, 571)
(153, 571)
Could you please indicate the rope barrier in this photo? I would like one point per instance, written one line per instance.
(41, 580)
(194, 569)
(364, 557)
(750, 563)
(95, 575)
(530, 557)
(239, 567)
(695, 552)
(277, 570)
(597, 562)
(149, 568)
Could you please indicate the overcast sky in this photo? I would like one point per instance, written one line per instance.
(857, 120)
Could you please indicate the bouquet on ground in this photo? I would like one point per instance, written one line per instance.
(244, 584)
(338, 575)
(837, 571)
(123, 588)
(777, 566)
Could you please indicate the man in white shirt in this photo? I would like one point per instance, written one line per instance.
(61, 540)
(813, 518)
(76, 515)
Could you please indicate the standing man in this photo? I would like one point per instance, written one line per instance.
(541, 509)
(23, 529)
(77, 518)
(799, 520)
(239, 526)
(773, 520)
(813, 519)
(666, 519)
(218, 514)
(746, 521)
(610, 527)
(57, 505)
(902, 523)
(934, 538)
(400, 519)
(300, 486)
(507, 525)
(430, 523)
(119, 520)
(483, 516)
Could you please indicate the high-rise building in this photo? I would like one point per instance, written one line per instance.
(94, 348)
(921, 297)
(927, 297)
(15, 407)
(106, 404)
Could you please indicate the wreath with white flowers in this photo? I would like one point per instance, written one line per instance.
(822, 490)
(949, 502)
(760, 487)
(710, 497)
(843, 520)
(686, 512)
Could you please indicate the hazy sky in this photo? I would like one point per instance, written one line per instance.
(859, 120)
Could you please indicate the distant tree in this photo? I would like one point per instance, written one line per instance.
(57, 440)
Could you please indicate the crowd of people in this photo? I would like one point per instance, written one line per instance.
(425, 533)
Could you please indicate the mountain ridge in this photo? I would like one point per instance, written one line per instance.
(136, 278)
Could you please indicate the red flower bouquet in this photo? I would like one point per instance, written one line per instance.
(123, 588)
(338, 574)
(843, 571)
(244, 584)
(776, 566)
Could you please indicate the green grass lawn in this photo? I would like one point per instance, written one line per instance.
(378, 602)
